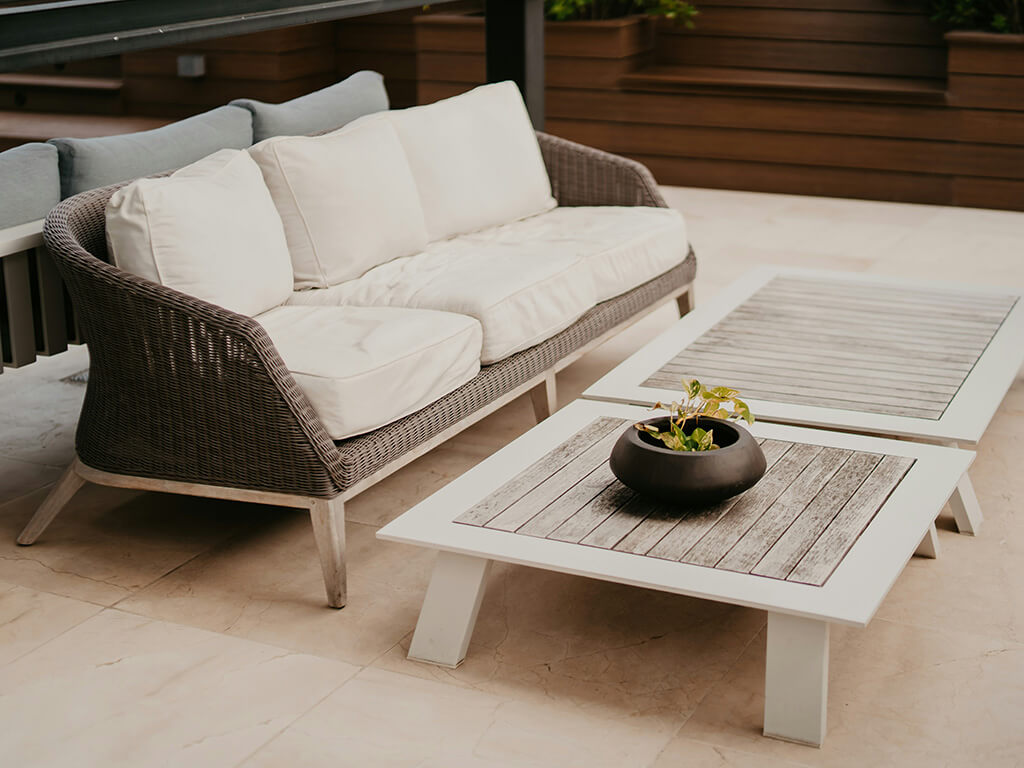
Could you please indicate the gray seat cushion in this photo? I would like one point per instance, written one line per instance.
(90, 163)
(360, 94)
(29, 183)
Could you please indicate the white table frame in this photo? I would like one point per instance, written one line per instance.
(962, 424)
(799, 614)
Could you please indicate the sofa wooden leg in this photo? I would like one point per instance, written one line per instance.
(685, 302)
(58, 498)
(328, 517)
(545, 398)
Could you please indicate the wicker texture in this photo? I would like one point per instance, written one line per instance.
(183, 390)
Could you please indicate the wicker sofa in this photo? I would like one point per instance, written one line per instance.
(187, 397)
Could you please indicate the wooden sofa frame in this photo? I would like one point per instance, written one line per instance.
(189, 398)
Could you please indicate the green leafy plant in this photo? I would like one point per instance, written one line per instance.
(1005, 16)
(679, 11)
(699, 400)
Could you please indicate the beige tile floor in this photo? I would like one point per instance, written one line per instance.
(148, 630)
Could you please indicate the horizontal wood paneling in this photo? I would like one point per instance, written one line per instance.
(986, 91)
(988, 193)
(236, 65)
(181, 97)
(821, 181)
(861, 6)
(824, 26)
(727, 110)
(578, 72)
(804, 55)
(848, 151)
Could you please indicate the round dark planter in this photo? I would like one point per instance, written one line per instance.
(688, 478)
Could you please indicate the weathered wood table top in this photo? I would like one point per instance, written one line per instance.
(824, 534)
(887, 356)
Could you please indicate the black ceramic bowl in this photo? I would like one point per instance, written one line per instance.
(688, 478)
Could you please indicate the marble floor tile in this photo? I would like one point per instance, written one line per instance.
(107, 542)
(266, 585)
(123, 690)
(29, 618)
(899, 695)
(18, 478)
(388, 720)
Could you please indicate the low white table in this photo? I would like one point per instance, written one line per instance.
(820, 539)
(912, 359)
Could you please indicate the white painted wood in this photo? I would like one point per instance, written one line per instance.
(796, 679)
(851, 594)
(450, 609)
(55, 501)
(963, 421)
(929, 546)
(544, 397)
(21, 238)
(966, 510)
(328, 518)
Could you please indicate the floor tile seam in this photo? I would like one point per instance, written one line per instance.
(63, 632)
(946, 630)
(22, 460)
(5, 504)
(301, 715)
(759, 756)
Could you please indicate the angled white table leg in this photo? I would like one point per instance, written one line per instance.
(966, 510)
(929, 546)
(796, 679)
(964, 503)
(449, 609)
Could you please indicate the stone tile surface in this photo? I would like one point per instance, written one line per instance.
(29, 618)
(122, 690)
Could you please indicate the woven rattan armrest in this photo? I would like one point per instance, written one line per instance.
(180, 389)
(582, 175)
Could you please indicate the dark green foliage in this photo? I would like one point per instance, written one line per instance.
(679, 11)
(1006, 16)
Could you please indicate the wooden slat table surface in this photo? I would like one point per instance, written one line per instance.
(866, 348)
(840, 350)
(796, 524)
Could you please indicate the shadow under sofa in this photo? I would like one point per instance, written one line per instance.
(187, 397)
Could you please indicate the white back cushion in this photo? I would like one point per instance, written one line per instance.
(475, 158)
(209, 230)
(347, 199)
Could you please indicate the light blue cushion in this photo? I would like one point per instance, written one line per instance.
(331, 107)
(29, 183)
(90, 163)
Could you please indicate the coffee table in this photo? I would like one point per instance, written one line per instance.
(820, 539)
(911, 359)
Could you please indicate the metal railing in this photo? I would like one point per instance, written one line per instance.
(36, 317)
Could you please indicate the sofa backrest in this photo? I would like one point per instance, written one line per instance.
(90, 163)
(29, 183)
(360, 94)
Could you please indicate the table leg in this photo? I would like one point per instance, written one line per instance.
(929, 546)
(449, 609)
(965, 507)
(796, 679)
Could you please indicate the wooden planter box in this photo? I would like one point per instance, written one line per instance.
(590, 55)
(986, 70)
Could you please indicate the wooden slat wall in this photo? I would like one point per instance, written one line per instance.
(796, 524)
(270, 66)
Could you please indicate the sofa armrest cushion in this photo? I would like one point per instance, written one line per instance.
(209, 230)
(90, 163)
(331, 107)
(29, 183)
(475, 159)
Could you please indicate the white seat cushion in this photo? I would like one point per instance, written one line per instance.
(519, 298)
(209, 230)
(622, 247)
(475, 159)
(347, 199)
(364, 367)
